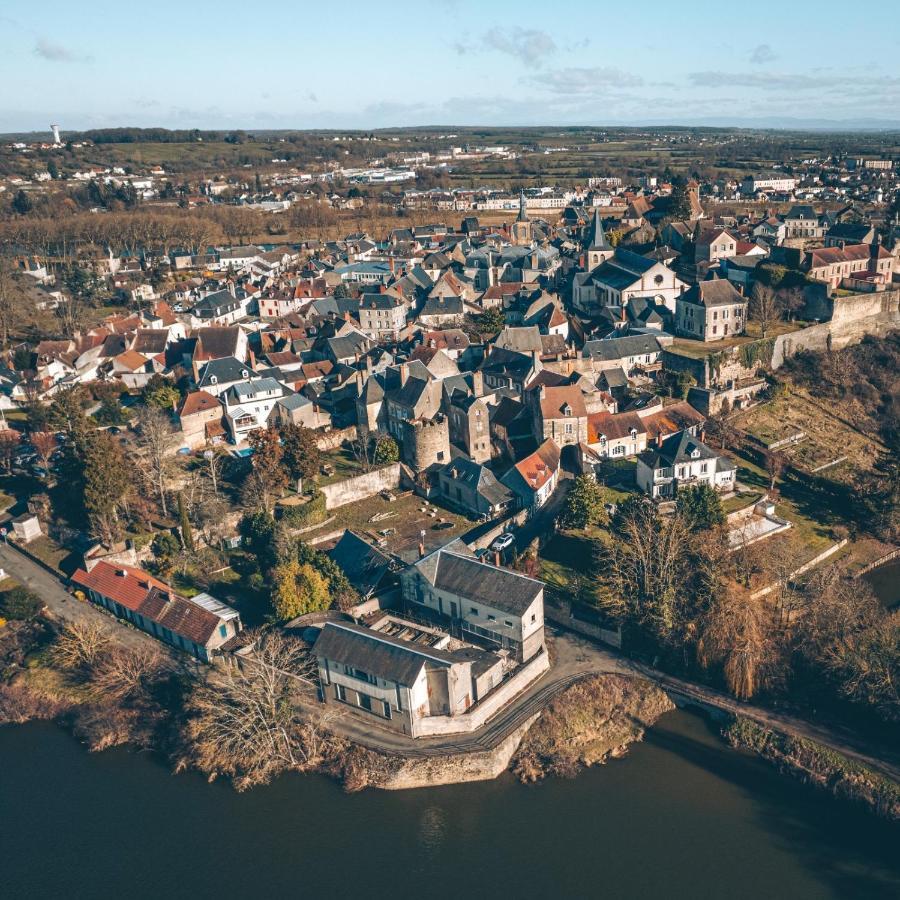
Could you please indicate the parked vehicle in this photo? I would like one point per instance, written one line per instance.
(503, 541)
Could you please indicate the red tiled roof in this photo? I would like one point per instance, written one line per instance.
(539, 468)
(126, 585)
(555, 400)
(613, 425)
(198, 402)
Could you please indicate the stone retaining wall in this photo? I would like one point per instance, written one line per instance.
(361, 486)
(493, 703)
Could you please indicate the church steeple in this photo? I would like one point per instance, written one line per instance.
(599, 250)
(523, 212)
(598, 235)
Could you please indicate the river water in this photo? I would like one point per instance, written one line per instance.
(681, 817)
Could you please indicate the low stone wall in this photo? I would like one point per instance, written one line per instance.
(485, 540)
(762, 592)
(361, 486)
(493, 703)
(331, 440)
(455, 768)
(563, 616)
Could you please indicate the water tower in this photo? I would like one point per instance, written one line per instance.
(56, 138)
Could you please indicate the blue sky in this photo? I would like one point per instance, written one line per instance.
(354, 64)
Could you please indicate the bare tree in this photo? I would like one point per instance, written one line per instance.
(45, 444)
(765, 307)
(80, 645)
(737, 634)
(155, 442)
(243, 723)
(126, 672)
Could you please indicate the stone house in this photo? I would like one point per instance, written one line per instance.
(471, 487)
(560, 413)
(402, 673)
(198, 625)
(682, 460)
(714, 244)
(469, 425)
(198, 410)
(711, 310)
(483, 603)
(534, 478)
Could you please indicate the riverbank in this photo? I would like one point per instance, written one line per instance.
(82, 681)
(819, 766)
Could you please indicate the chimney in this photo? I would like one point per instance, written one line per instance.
(703, 435)
(497, 558)
(623, 317)
(404, 373)
(478, 383)
(659, 439)
(359, 381)
(421, 548)
(392, 265)
(382, 288)
(581, 261)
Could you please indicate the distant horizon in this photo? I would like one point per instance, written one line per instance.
(782, 125)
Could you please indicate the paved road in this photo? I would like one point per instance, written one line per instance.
(579, 657)
(61, 603)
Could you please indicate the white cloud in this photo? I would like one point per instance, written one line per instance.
(529, 45)
(762, 54)
(53, 52)
(587, 81)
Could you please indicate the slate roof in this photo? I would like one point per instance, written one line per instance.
(224, 370)
(375, 653)
(477, 582)
(612, 349)
(677, 448)
(716, 292)
(479, 478)
(364, 565)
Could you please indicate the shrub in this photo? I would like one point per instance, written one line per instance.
(302, 515)
(20, 603)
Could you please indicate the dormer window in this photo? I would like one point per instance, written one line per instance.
(213, 379)
(695, 454)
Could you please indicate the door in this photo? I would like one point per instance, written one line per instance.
(453, 609)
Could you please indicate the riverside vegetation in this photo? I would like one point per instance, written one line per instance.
(243, 722)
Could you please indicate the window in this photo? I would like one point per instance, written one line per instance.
(223, 631)
(387, 709)
(364, 701)
(492, 618)
(534, 617)
(473, 610)
(340, 693)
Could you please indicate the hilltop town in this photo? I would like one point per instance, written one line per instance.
(435, 436)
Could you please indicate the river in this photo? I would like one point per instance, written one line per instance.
(681, 817)
(885, 582)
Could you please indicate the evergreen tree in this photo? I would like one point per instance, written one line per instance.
(299, 452)
(584, 504)
(187, 535)
(701, 507)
